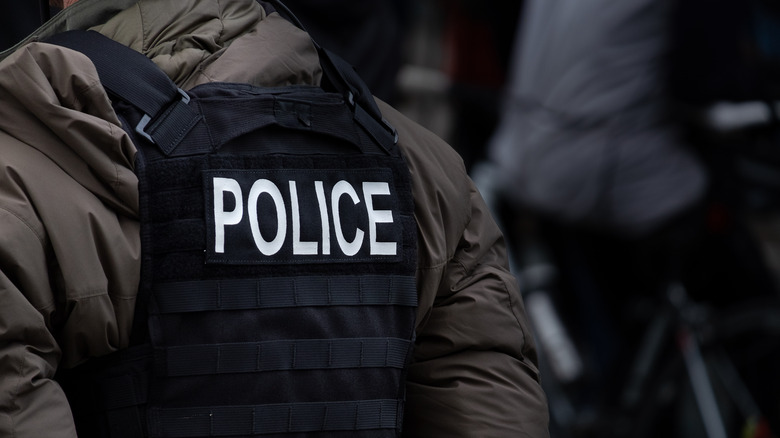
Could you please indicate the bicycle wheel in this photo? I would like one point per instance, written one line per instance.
(741, 349)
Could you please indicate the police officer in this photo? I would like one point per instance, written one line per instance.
(71, 230)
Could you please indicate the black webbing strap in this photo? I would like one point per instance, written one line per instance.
(284, 355)
(135, 79)
(275, 418)
(132, 77)
(239, 294)
(343, 77)
(124, 402)
(230, 118)
(124, 391)
(110, 392)
(113, 403)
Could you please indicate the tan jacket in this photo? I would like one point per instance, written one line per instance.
(69, 231)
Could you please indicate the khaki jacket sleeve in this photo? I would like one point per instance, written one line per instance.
(69, 245)
(474, 372)
(31, 403)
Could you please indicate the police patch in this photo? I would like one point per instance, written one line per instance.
(301, 216)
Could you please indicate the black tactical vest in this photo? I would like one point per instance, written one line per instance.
(278, 291)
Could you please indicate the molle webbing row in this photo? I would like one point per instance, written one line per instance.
(276, 292)
(367, 415)
(284, 355)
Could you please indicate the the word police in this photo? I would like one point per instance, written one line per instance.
(278, 215)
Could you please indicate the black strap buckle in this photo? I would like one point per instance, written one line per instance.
(146, 119)
(369, 122)
(392, 130)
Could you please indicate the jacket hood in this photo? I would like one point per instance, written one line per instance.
(196, 42)
(191, 40)
(51, 98)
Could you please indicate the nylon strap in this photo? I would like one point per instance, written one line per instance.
(240, 294)
(275, 418)
(134, 81)
(124, 397)
(250, 357)
(124, 391)
(168, 117)
(345, 80)
(110, 402)
(138, 82)
(232, 117)
(366, 113)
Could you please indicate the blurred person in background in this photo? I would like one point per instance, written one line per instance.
(600, 176)
(587, 148)
(586, 135)
(477, 46)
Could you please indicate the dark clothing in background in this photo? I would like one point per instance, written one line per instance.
(586, 136)
(586, 146)
(624, 205)
(367, 34)
(478, 47)
(27, 15)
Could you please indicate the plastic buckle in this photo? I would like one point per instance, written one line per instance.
(352, 104)
(146, 119)
(392, 129)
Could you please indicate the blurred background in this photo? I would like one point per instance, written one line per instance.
(630, 152)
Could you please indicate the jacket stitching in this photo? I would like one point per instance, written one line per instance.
(116, 184)
(221, 23)
(16, 391)
(144, 36)
(95, 293)
(41, 238)
(514, 313)
(83, 91)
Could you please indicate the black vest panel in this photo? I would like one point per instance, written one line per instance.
(278, 293)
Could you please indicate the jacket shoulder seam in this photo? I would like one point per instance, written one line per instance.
(41, 238)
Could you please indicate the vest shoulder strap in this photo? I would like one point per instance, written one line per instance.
(167, 117)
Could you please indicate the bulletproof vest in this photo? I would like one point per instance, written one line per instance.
(278, 291)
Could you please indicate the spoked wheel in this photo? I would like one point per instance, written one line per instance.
(741, 350)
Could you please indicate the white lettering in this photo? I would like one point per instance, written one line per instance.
(265, 194)
(303, 248)
(344, 188)
(371, 189)
(222, 217)
(323, 217)
(258, 188)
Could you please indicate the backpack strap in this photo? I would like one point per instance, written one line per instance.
(342, 77)
(356, 92)
(166, 116)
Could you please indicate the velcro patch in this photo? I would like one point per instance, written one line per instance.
(301, 216)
